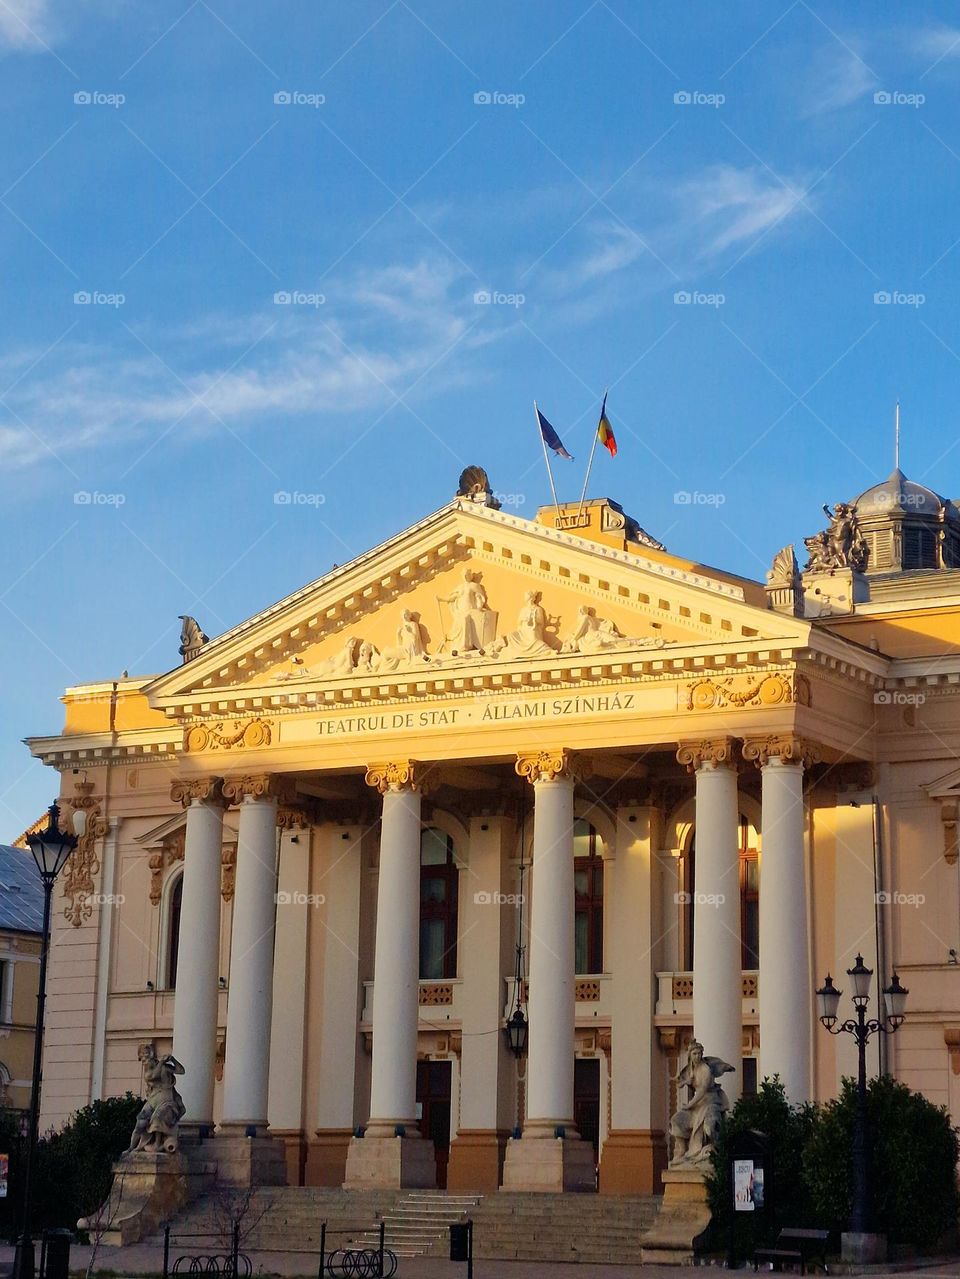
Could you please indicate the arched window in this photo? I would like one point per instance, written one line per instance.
(588, 889)
(749, 880)
(173, 932)
(439, 883)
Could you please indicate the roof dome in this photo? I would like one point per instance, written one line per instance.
(898, 494)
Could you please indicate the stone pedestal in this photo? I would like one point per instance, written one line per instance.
(549, 1164)
(683, 1217)
(327, 1157)
(392, 1163)
(247, 1161)
(833, 593)
(862, 1249)
(476, 1160)
(632, 1162)
(147, 1190)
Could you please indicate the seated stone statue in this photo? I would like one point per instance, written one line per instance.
(155, 1131)
(695, 1126)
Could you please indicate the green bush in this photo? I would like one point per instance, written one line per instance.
(787, 1129)
(71, 1171)
(912, 1152)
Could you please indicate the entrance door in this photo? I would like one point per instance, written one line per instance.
(433, 1106)
(586, 1100)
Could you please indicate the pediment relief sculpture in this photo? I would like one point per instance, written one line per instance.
(469, 635)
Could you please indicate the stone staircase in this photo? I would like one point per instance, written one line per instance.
(507, 1225)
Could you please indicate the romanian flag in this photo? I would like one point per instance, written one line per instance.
(605, 431)
(550, 437)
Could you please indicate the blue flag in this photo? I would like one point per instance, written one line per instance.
(551, 438)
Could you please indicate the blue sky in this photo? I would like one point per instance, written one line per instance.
(181, 164)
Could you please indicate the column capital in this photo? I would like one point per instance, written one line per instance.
(717, 751)
(251, 786)
(548, 766)
(397, 775)
(208, 790)
(788, 748)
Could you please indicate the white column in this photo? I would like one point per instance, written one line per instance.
(786, 1007)
(396, 990)
(195, 1004)
(551, 1006)
(246, 1071)
(717, 973)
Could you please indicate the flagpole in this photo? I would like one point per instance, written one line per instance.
(586, 478)
(546, 457)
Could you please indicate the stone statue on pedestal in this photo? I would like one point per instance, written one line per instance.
(155, 1131)
(695, 1126)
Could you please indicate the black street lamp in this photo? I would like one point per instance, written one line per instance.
(50, 848)
(828, 1001)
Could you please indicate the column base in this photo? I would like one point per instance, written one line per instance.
(327, 1157)
(862, 1249)
(539, 1161)
(632, 1162)
(390, 1163)
(294, 1142)
(476, 1159)
(682, 1219)
(247, 1161)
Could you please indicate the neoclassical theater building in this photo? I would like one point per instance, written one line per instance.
(313, 847)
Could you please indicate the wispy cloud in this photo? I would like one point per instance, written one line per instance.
(937, 42)
(836, 78)
(725, 205)
(25, 24)
(360, 349)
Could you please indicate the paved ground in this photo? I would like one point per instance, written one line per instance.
(149, 1260)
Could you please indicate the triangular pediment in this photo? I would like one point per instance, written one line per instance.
(945, 787)
(470, 589)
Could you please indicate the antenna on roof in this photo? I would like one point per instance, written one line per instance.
(896, 438)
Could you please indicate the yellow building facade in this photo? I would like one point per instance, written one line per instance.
(313, 847)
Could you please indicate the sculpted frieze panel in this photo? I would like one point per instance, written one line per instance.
(737, 691)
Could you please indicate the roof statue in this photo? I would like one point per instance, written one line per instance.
(842, 545)
(475, 486)
(192, 638)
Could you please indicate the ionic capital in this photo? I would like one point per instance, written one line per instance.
(548, 766)
(397, 775)
(786, 747)
(206, 790)
(251, 786)
(717, 751)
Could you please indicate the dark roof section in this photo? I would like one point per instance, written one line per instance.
(21, 893)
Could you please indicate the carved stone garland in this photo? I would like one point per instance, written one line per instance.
(83, 863)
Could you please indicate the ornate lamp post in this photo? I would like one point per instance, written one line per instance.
(50, 848)
(828, 1001)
